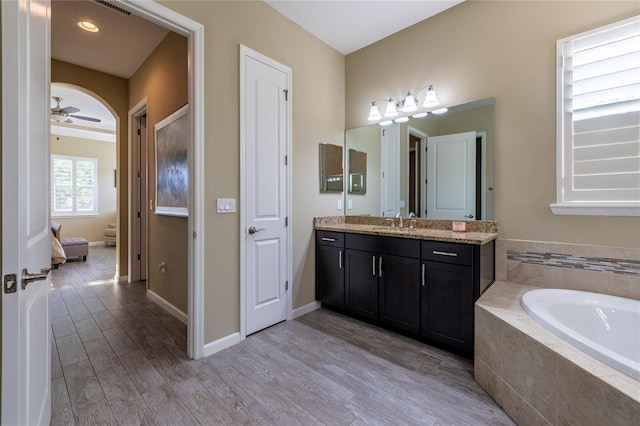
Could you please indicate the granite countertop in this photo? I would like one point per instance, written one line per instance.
(425, 229)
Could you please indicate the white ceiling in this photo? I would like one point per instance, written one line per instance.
(348, 25)
(125, 41)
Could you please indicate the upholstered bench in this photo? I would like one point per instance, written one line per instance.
(75, 247)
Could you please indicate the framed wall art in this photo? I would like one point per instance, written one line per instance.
(172, 168)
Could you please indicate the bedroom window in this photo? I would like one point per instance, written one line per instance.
(74, 186)
(598, 122)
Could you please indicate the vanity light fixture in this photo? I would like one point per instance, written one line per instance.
(404, 108)
(391, 110)
(88, 26)
(374, 113)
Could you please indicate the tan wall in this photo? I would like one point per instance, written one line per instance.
(481, 49)
(91, 228)
(163, 80)
(114, 91)
(318, 116)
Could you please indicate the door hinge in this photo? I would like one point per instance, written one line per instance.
(194, 234)
(286, 221)
(139, 132)
(138, 173)
(138, 256)
(138, 215)
(286, 160)
(286, 94)
(425, 181)
(286, 285)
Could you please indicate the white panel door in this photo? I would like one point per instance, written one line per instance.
(26, 231)
(451, 176)
(265, 211)
(390, 170)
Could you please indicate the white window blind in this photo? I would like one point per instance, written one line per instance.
(74, 186)
(599, 121)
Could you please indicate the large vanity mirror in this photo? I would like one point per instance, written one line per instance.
(439, 166)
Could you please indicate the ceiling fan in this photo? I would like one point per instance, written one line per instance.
(64, 115)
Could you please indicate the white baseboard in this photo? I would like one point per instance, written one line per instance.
(298, 312)
(168, 307)
(96, 243)
(221, 344)
(122, 278)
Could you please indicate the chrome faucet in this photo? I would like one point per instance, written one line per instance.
(412, 215)
(399, 215)
(393, 225)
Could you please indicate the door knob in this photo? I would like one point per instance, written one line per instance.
(253, 230)
(27, 278)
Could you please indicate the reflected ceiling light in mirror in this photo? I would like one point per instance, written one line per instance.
(386, 123)
(420, 115)
(374, 113)
(431, 99)
(391, 110)
(440, 111)
(403, 119)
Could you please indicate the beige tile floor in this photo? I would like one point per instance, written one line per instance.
(117, 358)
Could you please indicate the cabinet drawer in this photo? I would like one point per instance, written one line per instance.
(403, 247)
(328, 238)
(361, 242)
(459, 254)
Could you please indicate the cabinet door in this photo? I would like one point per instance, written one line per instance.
(330, 275)
(400, 293)
(361, 283)
(447, 304)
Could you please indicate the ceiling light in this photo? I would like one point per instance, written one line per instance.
(391, 110)
(401, 119)
(409, 104)
(385, 123)
(374, 114)
(440, 111)
(430, 100)
(88, 26)
(420, 115)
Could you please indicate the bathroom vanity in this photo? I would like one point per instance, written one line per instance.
(422, 281)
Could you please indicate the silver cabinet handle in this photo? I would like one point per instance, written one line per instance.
(28, 278)
(373, 266)
(253, 230)
(470, 216)
(333, 240)
(340, 259)
(445, 253)
(424, 267)
(380, 266)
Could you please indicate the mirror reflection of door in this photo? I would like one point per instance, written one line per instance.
(451, 176)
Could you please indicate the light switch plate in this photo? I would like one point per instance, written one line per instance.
(226, 205)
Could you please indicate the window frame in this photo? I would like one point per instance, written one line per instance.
(564, 145)
(74, 212)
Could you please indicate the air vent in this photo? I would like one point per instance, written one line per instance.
(113, 7)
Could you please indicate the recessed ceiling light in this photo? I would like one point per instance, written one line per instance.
(88, 26)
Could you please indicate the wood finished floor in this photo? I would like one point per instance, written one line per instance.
(117, 358)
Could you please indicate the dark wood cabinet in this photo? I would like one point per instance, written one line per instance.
(451, 283)
(330, 268)
(424, 288)
(361, 283)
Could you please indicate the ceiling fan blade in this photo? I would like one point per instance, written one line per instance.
(69, 110)
(80, 117)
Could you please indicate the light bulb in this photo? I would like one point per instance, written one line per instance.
(401, 119)
(385, 123)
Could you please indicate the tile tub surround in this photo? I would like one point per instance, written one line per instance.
(600, 269)
(480, 232)
(537, 377)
